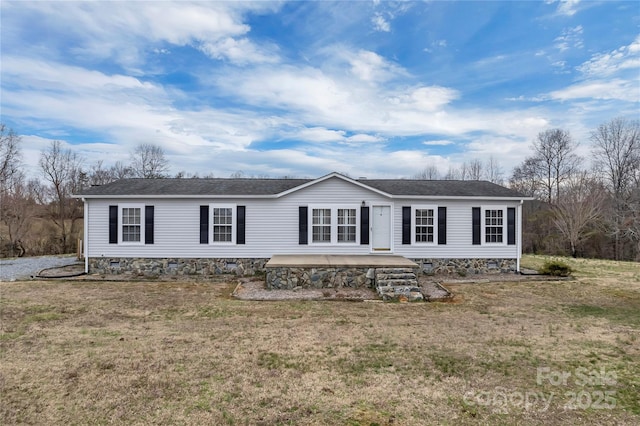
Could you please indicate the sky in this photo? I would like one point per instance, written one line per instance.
(366, 88)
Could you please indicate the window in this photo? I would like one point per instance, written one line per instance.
(424, 222)
(420, 224)
(346, 225)
(131, 225)
(494, 224)
(321, 226)
(130, 222)
(222, 224)
(333, 225)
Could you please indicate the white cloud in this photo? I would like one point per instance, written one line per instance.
(443, 142)
(239, 51)
(565, 7)
(612, 89)
(607, 76)
(436, 44)
(369, 66)
(606, 64)
(570, 38)
(380, 23)
(119, 30)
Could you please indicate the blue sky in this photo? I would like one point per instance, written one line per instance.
(377, 89)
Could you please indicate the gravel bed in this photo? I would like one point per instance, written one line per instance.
(22, 268)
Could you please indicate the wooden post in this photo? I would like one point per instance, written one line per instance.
(80, 252)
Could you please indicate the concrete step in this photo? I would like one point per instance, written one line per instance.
(402, 276)
(397, 282)
(407, 293)
(394, 270)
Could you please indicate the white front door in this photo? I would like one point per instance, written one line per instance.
(381, 228)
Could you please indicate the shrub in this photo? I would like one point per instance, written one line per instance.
(556, 268)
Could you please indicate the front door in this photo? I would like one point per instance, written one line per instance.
(381, 228)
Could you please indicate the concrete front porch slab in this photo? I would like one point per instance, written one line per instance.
(339, 260)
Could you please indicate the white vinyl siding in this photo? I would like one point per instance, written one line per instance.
(459, 232)
(272, 226)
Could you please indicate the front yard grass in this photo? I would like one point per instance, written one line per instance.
(557, 352)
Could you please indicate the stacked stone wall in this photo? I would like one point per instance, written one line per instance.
(466, 266)
(179, 266)
(320, 277)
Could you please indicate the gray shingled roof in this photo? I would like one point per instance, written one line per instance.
(451, 188)
(266, 187)
(194, 187)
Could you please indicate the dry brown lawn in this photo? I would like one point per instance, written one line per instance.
(77, 352)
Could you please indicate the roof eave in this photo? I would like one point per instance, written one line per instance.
(173, 196)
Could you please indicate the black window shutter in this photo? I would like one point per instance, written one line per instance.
(148, 224)
(364, 225)
(476, 225)
(204, 224)
(406, 225)
(113, 224)
(240, 226)
(511, 226)
(303, 226)
(442, 225)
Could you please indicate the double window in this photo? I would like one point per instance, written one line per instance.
(333, 225)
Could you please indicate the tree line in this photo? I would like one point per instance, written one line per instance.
(40, 215)
(581, 208)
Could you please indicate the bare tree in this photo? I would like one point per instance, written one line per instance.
(579, 209)
(493, 171)
(616, 150)
(17, 207)
(10, 155)
(430, 172)
(556, 160)
(121, 171)
(453, 174)
(62, 171)
(524, 178)
(148, 161)
(474, 169)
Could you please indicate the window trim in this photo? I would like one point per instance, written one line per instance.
(483, 225)
(234, 223)
(333, 208)
(121, 224)
(435, 223)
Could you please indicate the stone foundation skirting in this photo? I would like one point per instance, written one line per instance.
(289, 277)
(466, 266)
(150, 267)
(286, 277)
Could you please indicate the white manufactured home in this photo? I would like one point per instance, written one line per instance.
(207, 226)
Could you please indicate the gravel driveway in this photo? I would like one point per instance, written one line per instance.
(24, 267)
